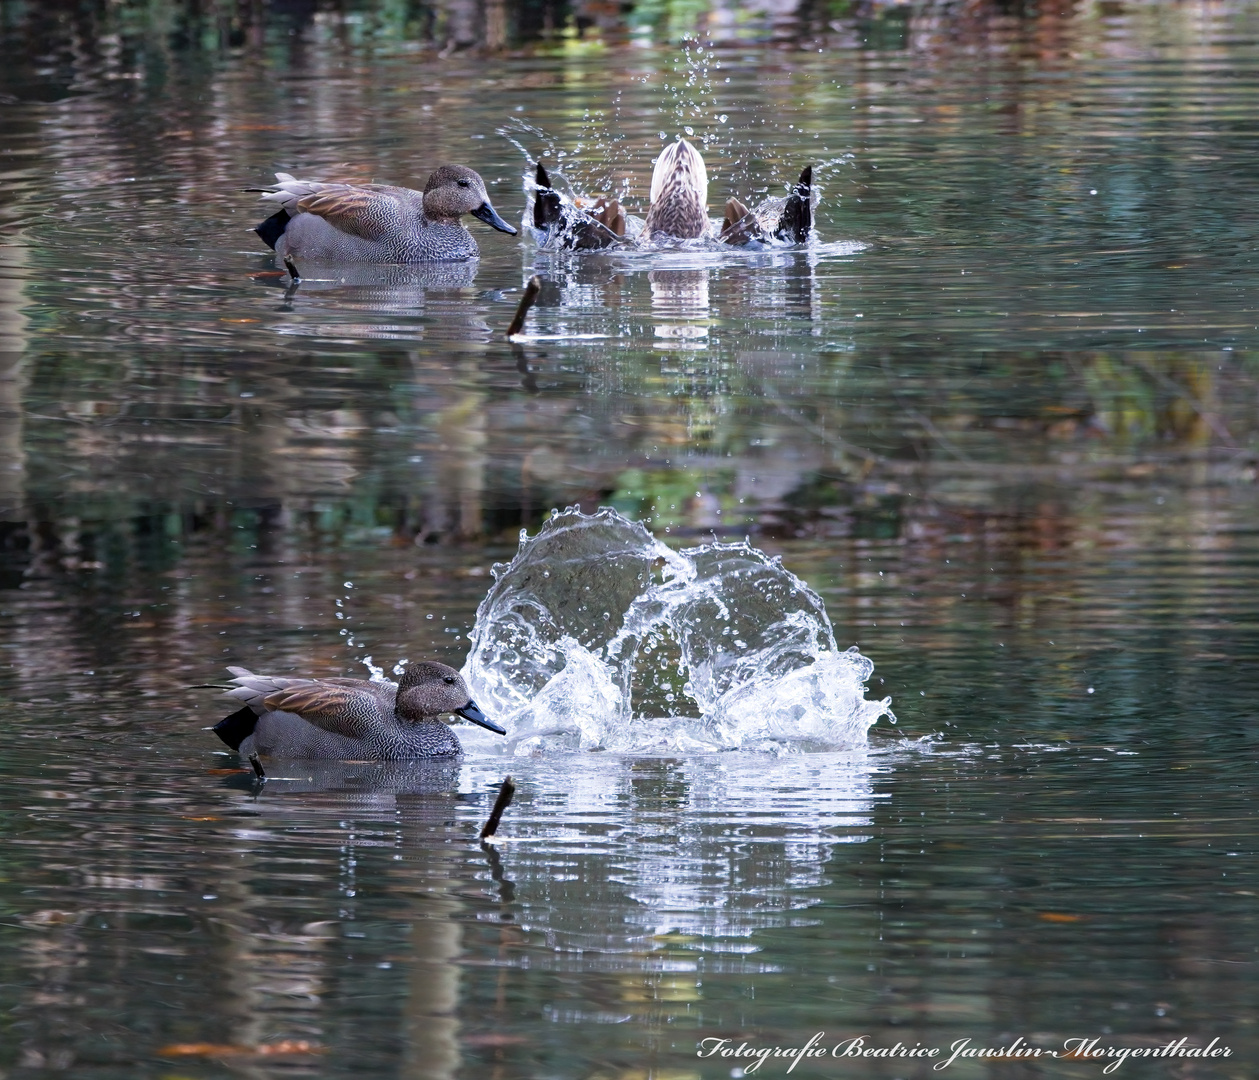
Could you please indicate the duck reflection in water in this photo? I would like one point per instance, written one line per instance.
(428, 300)
(678, 211)
(681, 297)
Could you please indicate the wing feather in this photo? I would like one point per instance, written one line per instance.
(344, 707)
(358, 211)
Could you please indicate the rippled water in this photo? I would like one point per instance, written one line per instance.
(1001, 418)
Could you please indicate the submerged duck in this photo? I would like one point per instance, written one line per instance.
(789, 219)
(582, 229)
(679, 209)
(679, 194)
(375, 222)
(350, 719)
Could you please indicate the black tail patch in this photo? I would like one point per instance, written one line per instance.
(797, 217)
(235, 729)
(547, 205)
(273, 228)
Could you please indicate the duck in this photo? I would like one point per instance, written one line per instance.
(789, 219)
(678, 211)
(376, 222)
(350, 719)
(679, 194)
(581, 229)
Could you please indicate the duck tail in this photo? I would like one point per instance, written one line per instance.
(548, 207)
(235, 729)
(273, 228)
(796, 221)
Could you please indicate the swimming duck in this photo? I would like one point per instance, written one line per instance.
(679, 209)
(375, 222)
(350, 719)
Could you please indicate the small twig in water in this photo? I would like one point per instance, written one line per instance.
(526, 302)
(503, 801)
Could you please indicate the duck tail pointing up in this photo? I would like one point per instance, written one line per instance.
(548, 207)
(679, 165)
(796, 221)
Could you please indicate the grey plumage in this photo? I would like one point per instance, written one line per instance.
(350, 719)
(378, 222)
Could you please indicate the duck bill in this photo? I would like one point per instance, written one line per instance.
(476, 716)
(485, 212)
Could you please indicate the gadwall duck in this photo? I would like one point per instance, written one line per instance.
(582, 229)
(679, 209)
(789, 219)
(377, 223)
(350, 719)
(679, 194)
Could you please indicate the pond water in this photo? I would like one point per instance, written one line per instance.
(1001, 417)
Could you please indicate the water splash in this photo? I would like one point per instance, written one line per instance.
(597, 636)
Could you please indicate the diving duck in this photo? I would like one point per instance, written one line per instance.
(679, 194)
(679, 209)
(375, 222)
(789, 219)
(581, 229)
(350, 719)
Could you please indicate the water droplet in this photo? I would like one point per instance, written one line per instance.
(689, 130)
(722, 118)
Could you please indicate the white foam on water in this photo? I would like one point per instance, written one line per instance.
(598, 636)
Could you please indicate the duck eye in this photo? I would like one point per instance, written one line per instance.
(464, 183)
(448, 678)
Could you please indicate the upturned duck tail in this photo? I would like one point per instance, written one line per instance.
(548, 208)
(796, 220)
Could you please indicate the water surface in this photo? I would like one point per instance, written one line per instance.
(1005, 427)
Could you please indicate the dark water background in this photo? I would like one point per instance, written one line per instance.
(1012, 440)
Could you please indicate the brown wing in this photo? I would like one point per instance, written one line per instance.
(611, 216)
(739, 225)
(343, 706)
(358, 211)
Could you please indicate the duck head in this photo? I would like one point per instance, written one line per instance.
(679, 193)
(455, 189)
(428, 689)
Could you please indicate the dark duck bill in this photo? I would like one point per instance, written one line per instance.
(472, 713)
(485, 212)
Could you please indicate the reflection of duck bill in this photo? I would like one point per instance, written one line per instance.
(476, 716)
(485, 212)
